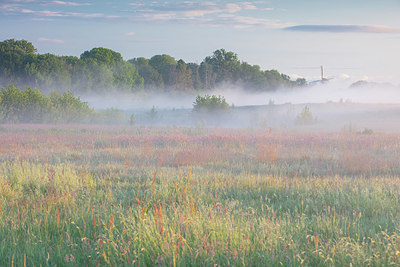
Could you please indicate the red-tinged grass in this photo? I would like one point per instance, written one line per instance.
(180, 196)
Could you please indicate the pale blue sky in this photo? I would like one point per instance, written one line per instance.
(353, 38)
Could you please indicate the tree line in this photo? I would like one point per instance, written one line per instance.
(32, 106)
(103, 70)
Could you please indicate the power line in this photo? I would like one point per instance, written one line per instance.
(331, 68)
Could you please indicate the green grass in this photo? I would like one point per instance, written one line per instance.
(180, 196)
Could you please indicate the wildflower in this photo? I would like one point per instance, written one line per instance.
(69, 258)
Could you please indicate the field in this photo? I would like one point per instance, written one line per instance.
(173, 196)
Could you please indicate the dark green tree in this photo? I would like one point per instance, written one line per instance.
(48, 71)
(166, 67)
(102, 56)
(106, 70)
(224, 65)
(152, 79)
(195, 73)
(12, 58)
(126, 77)
(251, 77)
(183, 77)
(22, 46)
(100, 70)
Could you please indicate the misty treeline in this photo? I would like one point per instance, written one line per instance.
(31, 106)
(102, 70)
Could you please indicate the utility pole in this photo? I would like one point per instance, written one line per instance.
(322, 73)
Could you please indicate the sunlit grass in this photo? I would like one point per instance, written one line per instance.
(180, 196)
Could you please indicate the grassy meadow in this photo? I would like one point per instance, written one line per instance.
(168, 196)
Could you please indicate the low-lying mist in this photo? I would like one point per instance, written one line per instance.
(320, 93)
(332, 91)
(334, 105)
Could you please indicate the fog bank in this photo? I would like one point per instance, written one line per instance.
(332, 91)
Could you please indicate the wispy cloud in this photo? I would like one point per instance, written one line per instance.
(249, 6)
(63, 3)
(9, 7)
(22, 1)
(344, 28)
(163, 11)
(52, 41)
(136, 4)
(216, 13)
(245, 22)
(192, 9)
(44, 13)
(233, 8)
(48, 13)
(43, 19)
(206, 13)
(129, 34)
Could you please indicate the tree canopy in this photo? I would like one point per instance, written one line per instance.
(102, 70)
(100, 55)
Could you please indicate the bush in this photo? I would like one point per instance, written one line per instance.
(153, 113)
(366, 131)
(209, 103)
(31, 106)
(305, 117)
(111, 116)
(66, 108)
(132, 120)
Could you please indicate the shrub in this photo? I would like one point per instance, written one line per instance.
(153, 113)
(209, 103)
(305, 117)
(66, 108)
(111, 116)
(366, 131)
(132, 120)
(31, 106)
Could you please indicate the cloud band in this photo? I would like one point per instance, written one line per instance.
(343, 28)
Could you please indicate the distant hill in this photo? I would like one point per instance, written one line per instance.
(363, 83)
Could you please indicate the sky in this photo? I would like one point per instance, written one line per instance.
(352, 39)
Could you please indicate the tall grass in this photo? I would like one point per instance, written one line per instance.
(175, 196)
